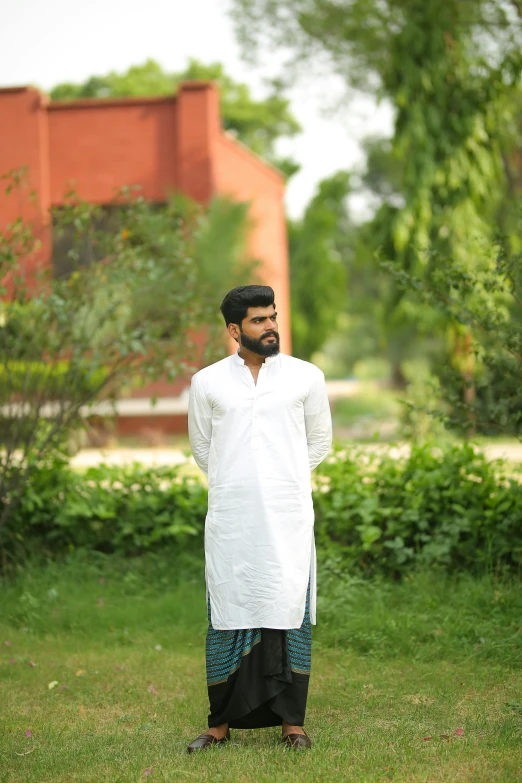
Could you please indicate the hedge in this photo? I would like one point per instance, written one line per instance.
(437, 507)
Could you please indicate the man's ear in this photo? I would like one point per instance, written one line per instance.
(233, 330)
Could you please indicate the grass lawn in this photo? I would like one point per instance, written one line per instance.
(361, 416)
(413, 682)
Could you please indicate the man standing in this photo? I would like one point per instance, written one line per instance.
(259, 423)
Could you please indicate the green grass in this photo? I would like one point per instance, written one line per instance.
(392, 666)
(370, 404)
(371, 415)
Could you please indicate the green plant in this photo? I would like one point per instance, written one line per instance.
(134, 284)
(480, 384)
(125, 510)
(445, 508)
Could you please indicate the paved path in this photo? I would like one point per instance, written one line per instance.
(510, 451)
(165, 456)
(88, 458)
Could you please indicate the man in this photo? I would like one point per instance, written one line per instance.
(259, 422)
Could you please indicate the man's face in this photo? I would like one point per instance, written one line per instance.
(258, 332)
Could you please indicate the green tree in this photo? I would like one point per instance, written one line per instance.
(484, 309)
(256, 123)
(452, 74)
(317, 273)
(139, 286)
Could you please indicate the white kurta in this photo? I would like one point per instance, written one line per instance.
(258, 443)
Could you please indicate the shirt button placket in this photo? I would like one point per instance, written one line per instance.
(255, 418)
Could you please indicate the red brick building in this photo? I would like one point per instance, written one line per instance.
(161, 144)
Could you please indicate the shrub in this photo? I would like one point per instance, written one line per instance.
(133, 288)
(124, 510)
(446, 507)
(376, 513)
(480, 369)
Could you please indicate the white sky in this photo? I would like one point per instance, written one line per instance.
(43, 42)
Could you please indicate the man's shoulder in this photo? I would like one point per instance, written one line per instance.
(213, 370)
(301, 366)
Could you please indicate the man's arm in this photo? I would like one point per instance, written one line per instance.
(199, 424)
(318, 421)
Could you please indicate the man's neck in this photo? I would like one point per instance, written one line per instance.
(250, 358)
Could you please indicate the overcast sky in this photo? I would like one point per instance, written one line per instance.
(43, 42)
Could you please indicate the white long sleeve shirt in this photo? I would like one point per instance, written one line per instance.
(258, 444)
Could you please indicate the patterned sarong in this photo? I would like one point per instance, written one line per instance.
(258, 677)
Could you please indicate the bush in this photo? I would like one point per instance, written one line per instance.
(124, 510)
(480, 368)
(376, 513)
(446, 507)
(132, 289)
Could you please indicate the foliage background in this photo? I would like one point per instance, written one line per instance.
(136, 286)
(447, 509)
(446, 186)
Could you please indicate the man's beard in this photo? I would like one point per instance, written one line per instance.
(258, 346)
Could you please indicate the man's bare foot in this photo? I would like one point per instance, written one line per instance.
(287, 728)
(218, 731)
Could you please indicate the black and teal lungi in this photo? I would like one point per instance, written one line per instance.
(258, 677)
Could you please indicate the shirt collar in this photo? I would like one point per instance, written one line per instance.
(268, 359)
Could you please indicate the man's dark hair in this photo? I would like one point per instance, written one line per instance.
(236, 303)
